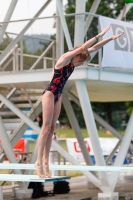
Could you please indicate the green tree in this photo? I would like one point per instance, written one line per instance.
(129, 106)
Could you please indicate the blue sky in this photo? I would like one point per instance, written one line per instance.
(27, 9)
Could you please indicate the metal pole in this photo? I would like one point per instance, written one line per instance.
(14, 63)
(122, 151)
(58, 163)
(83, 96)
(76, 128)
(53, 55)
(1, 193)
(16, 59)
(91, 127)
(19, 113)
(7, 18)
(28, 97)
(8, 96)
(79, 23)
(99, 54)
(90, 18)
(12, 44)
(113, 152)
(6, 145)
(58, 34)
(21, 54)
(64, 24)
(42, 55)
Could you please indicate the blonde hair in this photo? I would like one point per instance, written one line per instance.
(85, 55)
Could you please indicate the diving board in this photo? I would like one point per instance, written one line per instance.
(31, 178)
(68, 167)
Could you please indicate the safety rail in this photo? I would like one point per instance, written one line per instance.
(39, 62)
(26, 60)
(68, 167)
(12, 56)
(18, 59)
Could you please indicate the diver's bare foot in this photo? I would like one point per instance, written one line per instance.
(39, 169)
(47, 172)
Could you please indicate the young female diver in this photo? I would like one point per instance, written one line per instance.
(51, 98)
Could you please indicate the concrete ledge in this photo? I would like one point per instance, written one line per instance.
(23, 193)
(108, 196)
(1, 193)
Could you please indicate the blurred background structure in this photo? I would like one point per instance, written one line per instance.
(29, 48)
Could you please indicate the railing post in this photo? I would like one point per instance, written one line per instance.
(64, 163)
(58, 163)
(13, 60)
(1, 193)
(53, 54)
(44, 63)
(21, 54)
(16, 59)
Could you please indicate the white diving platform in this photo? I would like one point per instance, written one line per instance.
(114, 84)
(31, 178)
(68, 167)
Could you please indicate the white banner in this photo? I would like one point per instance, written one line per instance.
(119, 52)
(107, 145)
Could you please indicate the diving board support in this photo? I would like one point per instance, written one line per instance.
(1, 193)
(109, 196)
(84, 99)
(6, 145)
(123, 150)
(113, 152)
(91, 127)
(73, 121)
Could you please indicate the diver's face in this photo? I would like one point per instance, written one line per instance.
(76, 60)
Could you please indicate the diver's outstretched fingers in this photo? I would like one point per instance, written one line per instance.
(104, 31)
(116, 36)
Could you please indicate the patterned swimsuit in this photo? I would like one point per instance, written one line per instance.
(58, 81)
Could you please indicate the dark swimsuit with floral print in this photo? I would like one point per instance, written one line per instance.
(58, 81)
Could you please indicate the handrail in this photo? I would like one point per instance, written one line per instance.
(29, 36)
(33, 56)
(38, 60)
(53, 16)
(16, 46)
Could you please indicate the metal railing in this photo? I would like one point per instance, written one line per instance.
(24, 56)
(41, 55)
